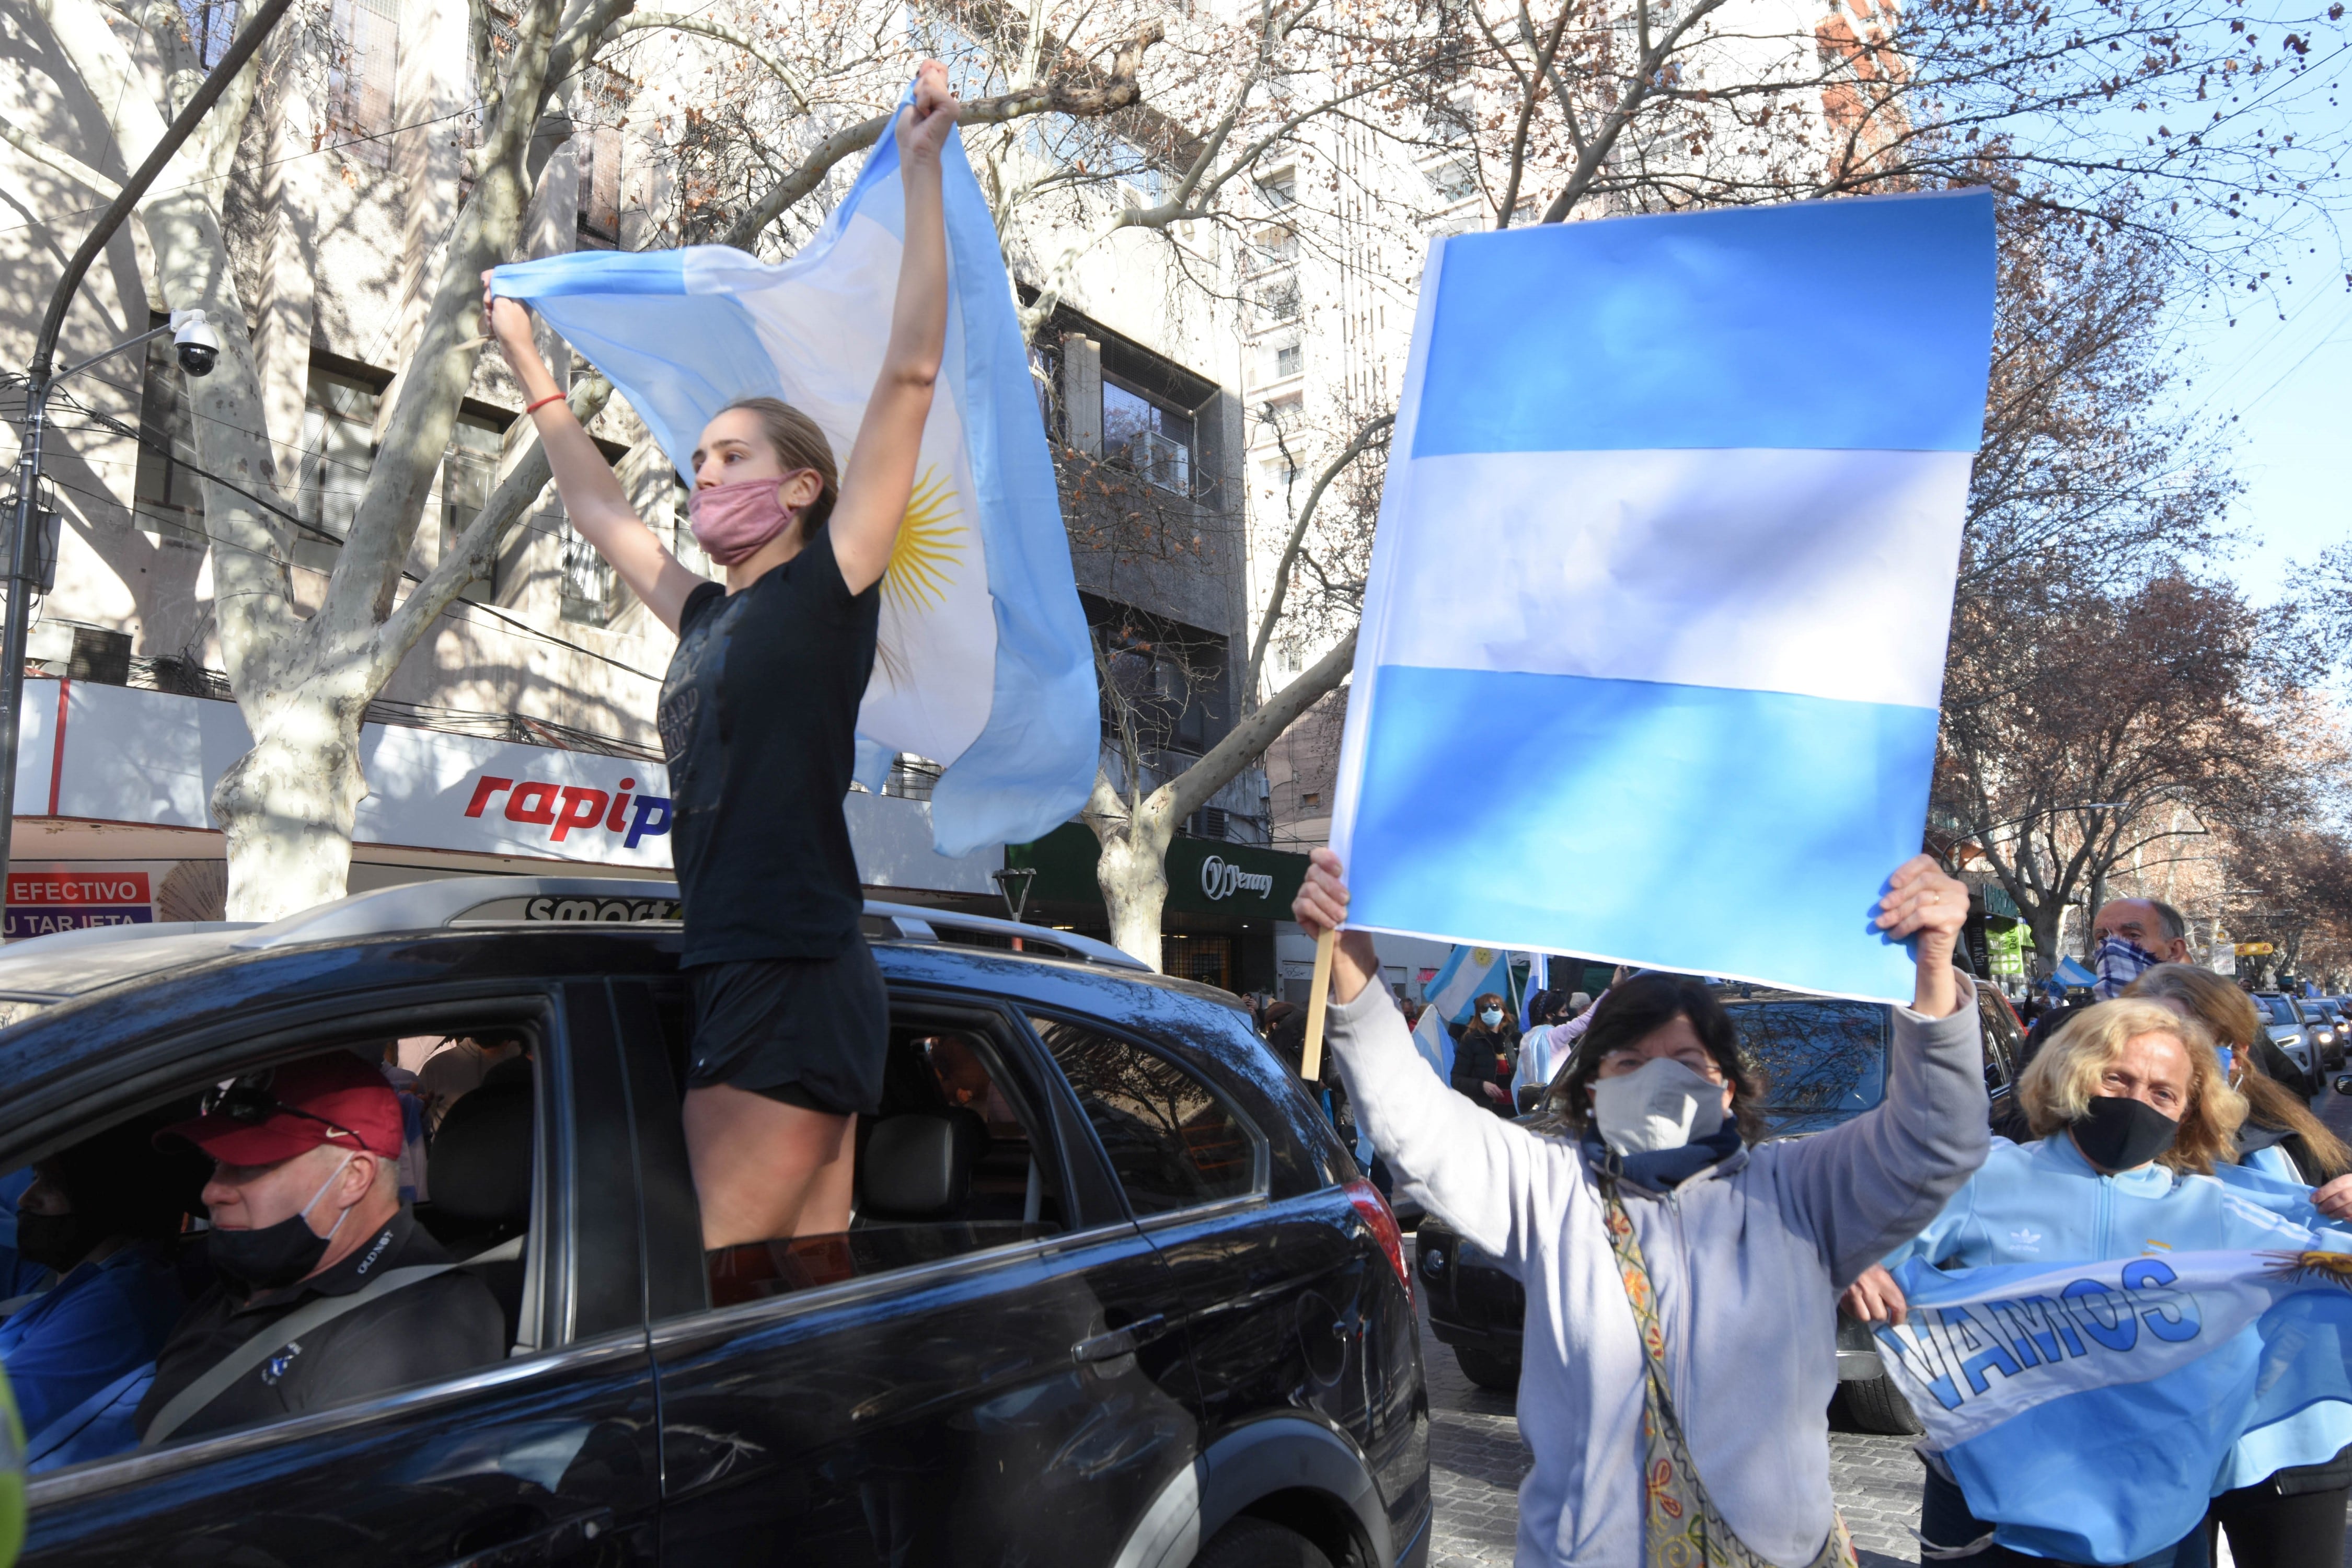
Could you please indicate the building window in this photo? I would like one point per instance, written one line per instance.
(363, 77)
(592, 589)
(1279, 190)
(165, 500)
(468, 471)
(1279, 303)
(338, 450)
(1455, 182)
(1289, 360)
(1275, 246)
(1156, 441)
(211, 27)
(1286, 658)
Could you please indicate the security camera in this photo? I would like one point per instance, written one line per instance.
(195, 341)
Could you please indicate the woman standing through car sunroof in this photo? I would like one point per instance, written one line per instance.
(758, 714)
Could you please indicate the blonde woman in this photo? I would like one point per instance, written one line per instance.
(2131, 1114)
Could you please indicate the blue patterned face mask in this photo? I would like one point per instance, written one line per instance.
(2223, 1052)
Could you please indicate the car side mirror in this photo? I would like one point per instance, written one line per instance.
(2344, 1083)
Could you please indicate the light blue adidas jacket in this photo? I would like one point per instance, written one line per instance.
(2043, 1202)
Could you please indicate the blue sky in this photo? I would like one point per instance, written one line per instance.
(2289, 384)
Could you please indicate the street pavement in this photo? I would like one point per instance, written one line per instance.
(1476, 1461)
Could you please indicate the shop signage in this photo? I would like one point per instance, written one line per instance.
(40, 902)
(113, 753)
(1222, 879)
(1205, 876)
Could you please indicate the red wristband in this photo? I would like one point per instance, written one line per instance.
(550, 397)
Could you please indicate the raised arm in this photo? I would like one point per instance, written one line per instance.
(1468, 1166)
(1865, 1188)
(880, 474)
(593, 497)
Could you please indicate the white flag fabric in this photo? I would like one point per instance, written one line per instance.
(1681, 496)
(986, 667)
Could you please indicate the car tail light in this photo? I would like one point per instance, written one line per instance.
(1377, 1214)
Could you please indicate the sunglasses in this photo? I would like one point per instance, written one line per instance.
(248, 1102)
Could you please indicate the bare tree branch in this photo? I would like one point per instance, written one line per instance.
(1367, 436)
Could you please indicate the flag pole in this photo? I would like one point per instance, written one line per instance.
(1310, 1065)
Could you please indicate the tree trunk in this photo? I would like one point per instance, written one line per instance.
(2042, 920)
(288, 804)
(1133, 876)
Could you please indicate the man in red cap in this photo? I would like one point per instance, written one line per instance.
(328, 1290)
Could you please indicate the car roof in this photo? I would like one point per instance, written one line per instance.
(70, 963)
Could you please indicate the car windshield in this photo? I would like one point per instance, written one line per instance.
(1816, 1056)
(2275, 1008)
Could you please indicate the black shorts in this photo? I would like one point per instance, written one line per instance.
(811, 1032)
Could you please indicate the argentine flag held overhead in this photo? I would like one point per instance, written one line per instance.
(1683, 495)
(985, 665)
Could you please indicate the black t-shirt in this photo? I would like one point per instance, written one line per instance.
(758, 715)
(423, 1333)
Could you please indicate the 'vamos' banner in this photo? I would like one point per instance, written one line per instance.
(2087, 1409)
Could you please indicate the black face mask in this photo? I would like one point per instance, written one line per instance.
(52, 1240)
(272, 1257)
(2118, 1134)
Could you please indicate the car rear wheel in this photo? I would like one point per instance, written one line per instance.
(1249, 1543)
(1875, 1404)
(1488, 1370)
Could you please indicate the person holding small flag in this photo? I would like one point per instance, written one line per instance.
(1682, 1286)
(758, 715)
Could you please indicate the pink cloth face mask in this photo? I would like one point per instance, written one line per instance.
(733, 522)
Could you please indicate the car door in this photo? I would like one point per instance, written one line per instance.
(1285, 1307)
(549, 1456)
(966, 1388)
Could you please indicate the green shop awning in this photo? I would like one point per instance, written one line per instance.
(1204, 875)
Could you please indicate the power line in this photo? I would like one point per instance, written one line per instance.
(107, 498)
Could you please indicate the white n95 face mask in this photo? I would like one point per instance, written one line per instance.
(1661, 1104)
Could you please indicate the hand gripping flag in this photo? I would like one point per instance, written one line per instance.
(2088, 1411)
(985, 667)
(1682, 495)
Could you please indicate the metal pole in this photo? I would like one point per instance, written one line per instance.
(42, 378)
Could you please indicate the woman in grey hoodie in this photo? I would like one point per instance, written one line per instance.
(1681, 1337)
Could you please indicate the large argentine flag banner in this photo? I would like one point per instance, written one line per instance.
(1682, 495)
(986, 665)
(2088, 1411)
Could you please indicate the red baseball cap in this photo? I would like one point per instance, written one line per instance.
(283, 1111)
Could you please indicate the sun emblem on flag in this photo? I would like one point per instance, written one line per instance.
(930, 543)
(2325, 1267)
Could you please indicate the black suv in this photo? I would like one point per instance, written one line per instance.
(1823, 1061)
(1115, 1293)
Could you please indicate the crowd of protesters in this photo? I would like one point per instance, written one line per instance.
(1682, 1277)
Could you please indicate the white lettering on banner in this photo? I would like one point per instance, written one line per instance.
(1221, 879)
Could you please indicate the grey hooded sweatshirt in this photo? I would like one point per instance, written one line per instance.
(1748, 1259)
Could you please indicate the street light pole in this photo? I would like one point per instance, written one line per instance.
(42, 380)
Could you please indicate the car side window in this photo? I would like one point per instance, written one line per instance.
(1172, 1142)
(136, 1322)
(955, 1163)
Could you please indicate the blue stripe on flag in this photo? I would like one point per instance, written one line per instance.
(1032, 767)
(1853, 324)
(1774, 812)
(634, 335)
